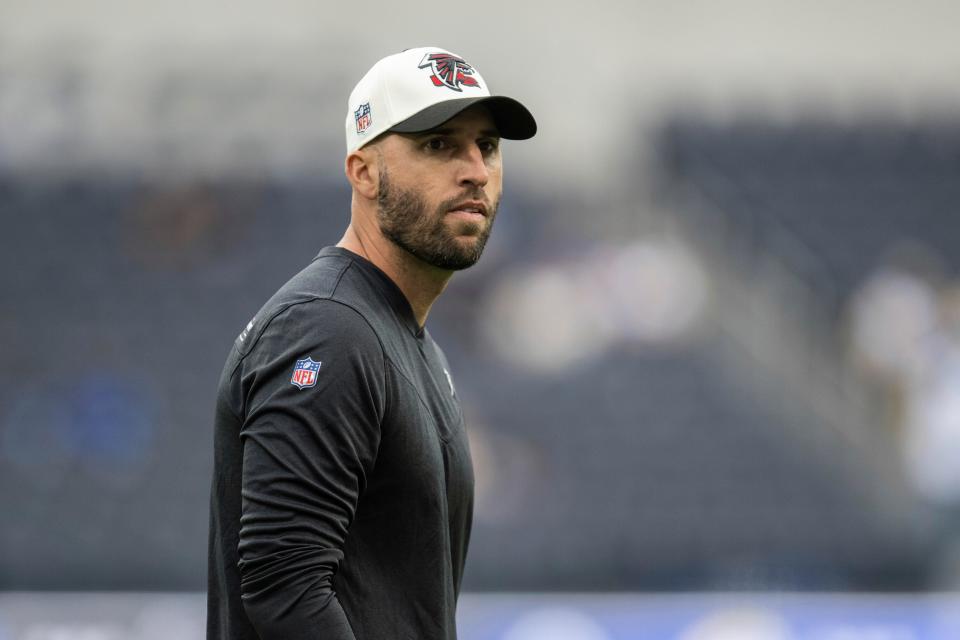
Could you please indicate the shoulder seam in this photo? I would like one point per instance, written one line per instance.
(283, 307)
(336, 285)
(289, 305)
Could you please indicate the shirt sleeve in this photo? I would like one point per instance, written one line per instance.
(309, 444)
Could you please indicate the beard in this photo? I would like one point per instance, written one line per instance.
(404, 220)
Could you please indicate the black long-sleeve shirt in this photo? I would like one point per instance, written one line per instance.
(342, 491)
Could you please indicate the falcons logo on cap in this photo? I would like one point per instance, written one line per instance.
(449, 71)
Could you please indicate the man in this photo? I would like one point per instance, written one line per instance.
(343, 490)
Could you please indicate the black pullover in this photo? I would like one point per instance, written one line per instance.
(342, 492)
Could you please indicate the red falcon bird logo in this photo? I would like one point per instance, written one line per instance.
(449, 71)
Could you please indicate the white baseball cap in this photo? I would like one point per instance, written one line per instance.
(419, 89)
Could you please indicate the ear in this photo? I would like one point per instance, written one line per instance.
(362, 170)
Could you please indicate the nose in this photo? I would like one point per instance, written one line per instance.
(474, 169)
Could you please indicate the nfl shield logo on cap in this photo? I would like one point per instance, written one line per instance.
(362, 116)
(305, 373)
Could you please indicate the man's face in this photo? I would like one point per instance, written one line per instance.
(439, 189)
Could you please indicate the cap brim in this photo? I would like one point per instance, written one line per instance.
(512, 119)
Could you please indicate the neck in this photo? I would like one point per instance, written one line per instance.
(420, 282)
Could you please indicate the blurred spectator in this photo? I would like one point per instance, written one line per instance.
(651, 291)
(932, 437)
(905, 334)
(891, 316)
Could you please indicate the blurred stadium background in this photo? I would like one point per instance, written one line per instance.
(711, 358)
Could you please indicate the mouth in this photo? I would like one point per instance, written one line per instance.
(470, 209)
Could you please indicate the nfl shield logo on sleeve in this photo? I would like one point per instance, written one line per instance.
(305, 373)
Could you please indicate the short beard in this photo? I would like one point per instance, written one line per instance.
(403, 219)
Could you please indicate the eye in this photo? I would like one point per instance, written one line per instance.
(489, 145)
(436, 144)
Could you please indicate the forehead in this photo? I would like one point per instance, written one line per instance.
(474, 119)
